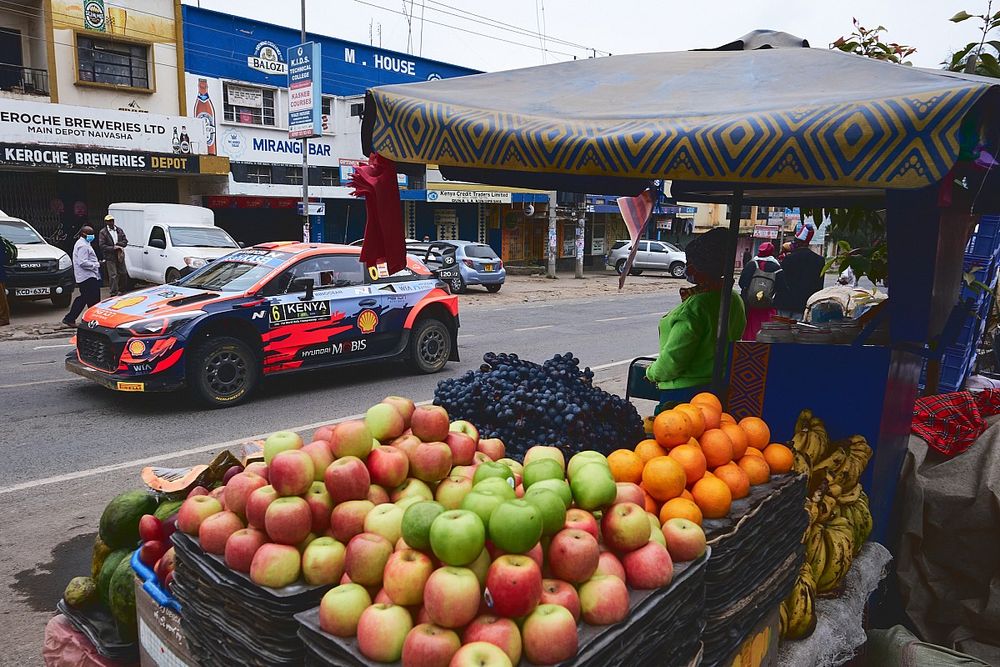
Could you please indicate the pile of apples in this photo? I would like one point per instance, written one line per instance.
(440, 550)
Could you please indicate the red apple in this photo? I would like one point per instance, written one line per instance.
(351, 438)
(348, 519)
(550, 635)
(275, 565)
(385, 422)
(464, 471)
(406, 573)
(411, 487)
(630, 493)
(241, 547)
(463, 447)
(367, 555)
(430, 461)
(165, 565)
(685, 539)
(537, 554)
(219, 493)
(152, 551)
(341, 609)
(481, 457)
(625, 527)
(452, 596)
(258, 468)
(382, 630)
(581, 520)
(150, 528)
(452, 490)
(429, 645)
(501, 632)
(430, 423)
(238, 491)
(515, 585)
(321, 455)
(648, 567)
(573, 555)
(492, 447)
(323, 561)
(387, 466)
(194, 510)
(257, 504)
(377, 494)
(404, 407)
(324, 433)
(385, 520)
(320, 505)
(347, 478)
(291, 472)
(216, 529)
(556, 591)
(609, 564)
(406, 443)
(604, 600)
(197, 491)
(480, 654)
(288, 520)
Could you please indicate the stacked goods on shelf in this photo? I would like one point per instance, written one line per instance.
(412, 534)
(839, 518)
(524, 403)
(703, 468)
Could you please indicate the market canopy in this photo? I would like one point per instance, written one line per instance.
(793, 121)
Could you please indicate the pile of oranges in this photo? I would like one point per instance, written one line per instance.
(699, 460)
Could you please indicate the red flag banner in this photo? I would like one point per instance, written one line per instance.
(635, 212)
(384, 235)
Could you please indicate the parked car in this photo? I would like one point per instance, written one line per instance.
(169, 241)
(651, 256)
(464, 263)
(42, 271)
(273, 308)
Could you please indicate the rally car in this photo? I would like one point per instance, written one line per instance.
(273, 308)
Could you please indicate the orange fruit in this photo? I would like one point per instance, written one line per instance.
(735, 478)
(709, 399)
(726, 418)
(779, 458)
(694, 414)
(625, 465)
(710, 414)
(649, 449)
(651, 504)
(680, 508)
(756, 469)
(753, 451)
(717, 448)
(713, 497)
(671, 428)
(708, 473)
(739, 438)
(663, 478)
(686, 494)
(692, 460)
(758, 434)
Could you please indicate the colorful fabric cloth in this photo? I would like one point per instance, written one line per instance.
(635, 213)
(384, 239)
(950, 423)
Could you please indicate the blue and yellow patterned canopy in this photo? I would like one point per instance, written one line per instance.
(781, 117)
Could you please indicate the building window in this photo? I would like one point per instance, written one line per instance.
(327, 103)
(357, 109)
(261, 173)
(114, 63)
(293, 175)
(330, 176)
(248, 104)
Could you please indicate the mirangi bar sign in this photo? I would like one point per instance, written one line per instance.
(90, 159)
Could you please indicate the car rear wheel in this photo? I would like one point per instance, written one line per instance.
(223, 371)
(430, 345)
(62, 300)
(678, 270)
(494, 288)
(457, 285)
(173, 275)
(620, 268)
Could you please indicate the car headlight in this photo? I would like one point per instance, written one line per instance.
(159, 326)
(195, 262)
(65, 262)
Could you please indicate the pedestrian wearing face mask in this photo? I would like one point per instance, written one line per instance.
(87, 272)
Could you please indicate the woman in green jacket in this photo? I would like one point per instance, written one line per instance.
(688, 332)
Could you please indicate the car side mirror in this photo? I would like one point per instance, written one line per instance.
(158, 243)
(241, 244)
(304, 284)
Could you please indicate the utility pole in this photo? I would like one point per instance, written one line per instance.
(306, 231)
(580, 238)
(551, 245)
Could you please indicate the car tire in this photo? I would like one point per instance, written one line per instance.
(457, 285)
(430, 345)
(222, 371)
(173, 275)
(493, 289)
(678, 269)
(62, 300)
(620, 268)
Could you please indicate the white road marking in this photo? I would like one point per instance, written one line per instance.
(544, 326)
(612, 319)
(52, 347)
(29, 384)
(135, 463)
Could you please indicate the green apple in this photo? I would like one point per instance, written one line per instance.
(496, 485)
(516, 526)
(542, 469)
(543, 452)
(405, 502)
(560, 487)
(489, 469)
(457, 537)
(583, 458)
(655, 532)
(280, 442)
(482, 503)
(417, 520)
(593, 486)
(514, 466)
(551, 507)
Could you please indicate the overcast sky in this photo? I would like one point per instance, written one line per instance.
(616, 26)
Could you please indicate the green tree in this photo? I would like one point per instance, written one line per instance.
(868, 42)
(978, 57)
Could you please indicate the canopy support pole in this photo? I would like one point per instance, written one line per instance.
(722, 333)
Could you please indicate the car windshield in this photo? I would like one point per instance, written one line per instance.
(226, 276)
(200, 237)
(480, 252)
(18, 232)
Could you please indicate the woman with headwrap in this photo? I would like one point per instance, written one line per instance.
(760, 283)
(688, 332)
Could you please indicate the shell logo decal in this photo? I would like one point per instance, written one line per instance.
(367, 321)
(136, 348)
(126, 302)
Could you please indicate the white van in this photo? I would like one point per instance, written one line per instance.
(42, 271)
(168, 241)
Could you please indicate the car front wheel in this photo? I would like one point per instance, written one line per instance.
(457, 285)
(173, 275)
(223, 371)
(678, 270)
(494, 288)
(430, 345)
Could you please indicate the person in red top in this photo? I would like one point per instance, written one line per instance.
(760, 283)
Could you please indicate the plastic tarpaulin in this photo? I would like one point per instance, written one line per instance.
(785, 117)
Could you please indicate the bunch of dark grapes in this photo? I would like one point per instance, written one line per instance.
(554, 403)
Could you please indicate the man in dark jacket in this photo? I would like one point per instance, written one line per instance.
(5, 259)
(803, 277)
(112, 242)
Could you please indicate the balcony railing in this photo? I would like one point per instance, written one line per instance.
(25, 80)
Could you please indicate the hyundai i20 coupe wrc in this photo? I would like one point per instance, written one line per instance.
(273, 308)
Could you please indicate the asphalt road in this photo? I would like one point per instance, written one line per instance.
(69, 445)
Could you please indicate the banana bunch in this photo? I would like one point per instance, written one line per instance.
(859, 517)
(810, 439)
(798, 612)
